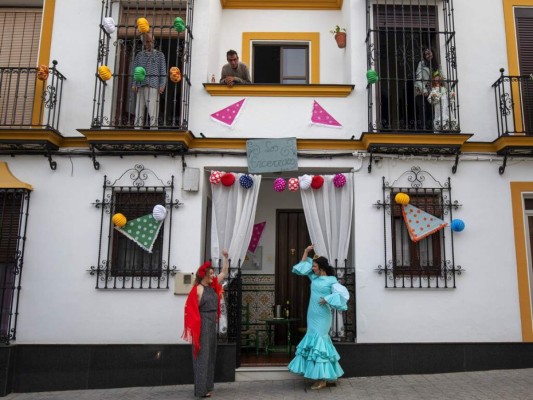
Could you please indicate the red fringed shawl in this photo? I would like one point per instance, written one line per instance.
(192, 319)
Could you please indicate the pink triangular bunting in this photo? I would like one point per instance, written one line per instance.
(228, 115)
(322, 117)
(256, 235)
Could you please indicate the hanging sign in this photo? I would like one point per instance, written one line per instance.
(271, 155)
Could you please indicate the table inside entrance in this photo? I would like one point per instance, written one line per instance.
(272, 347)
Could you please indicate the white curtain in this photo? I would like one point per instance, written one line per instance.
(233, 219)
(328, 213)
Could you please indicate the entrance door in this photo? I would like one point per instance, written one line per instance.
(292, 237)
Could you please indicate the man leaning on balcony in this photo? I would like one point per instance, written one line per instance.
(234, 71)
(149, 89)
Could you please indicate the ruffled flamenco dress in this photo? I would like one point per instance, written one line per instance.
(316, 358)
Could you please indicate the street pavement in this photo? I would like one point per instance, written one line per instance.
(485, 385)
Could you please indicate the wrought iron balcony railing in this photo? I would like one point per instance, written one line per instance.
(514, 104)
(27, 100)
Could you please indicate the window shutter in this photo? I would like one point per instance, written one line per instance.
(405, 16)
(19, 37)
(524, 33)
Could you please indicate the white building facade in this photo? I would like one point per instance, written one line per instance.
(80, 299)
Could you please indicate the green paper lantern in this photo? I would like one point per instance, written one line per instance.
(139, 74)
(372, 76)
(179, 25)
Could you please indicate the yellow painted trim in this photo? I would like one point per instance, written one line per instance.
(9, 181)
(512, 141)
(32, 135)
(280, 90)
(283, 4)
(512, 51)
(312, 37)
(413, 139)
(524, 294)
(110, 135)
(44, 56)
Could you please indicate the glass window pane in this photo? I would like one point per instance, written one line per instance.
(294, 61)
(294, 81)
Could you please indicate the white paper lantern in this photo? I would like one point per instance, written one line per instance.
(159, 212)
(109, 25)
(305, 182)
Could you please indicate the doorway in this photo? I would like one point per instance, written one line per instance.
(292, 237)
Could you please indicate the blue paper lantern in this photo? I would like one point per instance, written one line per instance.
(457, 225)
(246, 181)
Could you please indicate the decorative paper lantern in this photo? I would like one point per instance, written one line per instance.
(246, 181)
(175, 74)
(109, 25)
(42, 72)
(159, 212)
(402, 198)
(372, 76)
(457, 225)
(215, 177)
(339, 180)
(139, 74)
(317, 182)
(228, 179)
(179, 25)
(104, 72)
(119, 220)
(305, 182)
(142, 25)
(293, 184)
(279, 184)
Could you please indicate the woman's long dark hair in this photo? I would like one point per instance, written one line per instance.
(434, 64)
(323, 264)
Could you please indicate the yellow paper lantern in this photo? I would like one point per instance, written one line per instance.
(104, 72)
(42, 72)
(142, 25)
(175, 74)
(119, 220)
(402, 198)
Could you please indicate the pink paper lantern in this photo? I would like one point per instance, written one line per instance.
(279, 184)
(215, 177)
(293, 184)
(339, 180)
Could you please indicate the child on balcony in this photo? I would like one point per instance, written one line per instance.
(443, 105)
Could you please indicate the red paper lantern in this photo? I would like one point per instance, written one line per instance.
(228, 179)
(317, 182)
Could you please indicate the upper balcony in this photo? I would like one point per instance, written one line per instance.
(30, 108)
(514, 113)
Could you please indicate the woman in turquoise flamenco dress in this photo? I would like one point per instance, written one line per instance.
(316, 357)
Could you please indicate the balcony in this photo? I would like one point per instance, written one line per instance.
(142, 113)
(514, 114)
(30, 106)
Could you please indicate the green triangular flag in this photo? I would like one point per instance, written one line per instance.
(142, 230)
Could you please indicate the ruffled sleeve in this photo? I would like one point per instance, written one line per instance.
(304, 268)
(338, 298)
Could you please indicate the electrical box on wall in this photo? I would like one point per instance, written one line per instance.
(191, 179)
(184, 281)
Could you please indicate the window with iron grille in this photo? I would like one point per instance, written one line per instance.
(124, 262)
(429, 262)
(127, 110)
(13, 217)
(415, 91)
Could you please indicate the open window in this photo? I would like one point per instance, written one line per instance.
(286, 63)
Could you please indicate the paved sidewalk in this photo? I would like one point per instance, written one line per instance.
(485, 385)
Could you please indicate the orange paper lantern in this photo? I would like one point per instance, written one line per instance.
(104, 72)
(42, 72)
(119, 220)
(142, 25)
(175, 74)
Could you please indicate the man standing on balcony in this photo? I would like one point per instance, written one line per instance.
(149, 89)
(234, 71)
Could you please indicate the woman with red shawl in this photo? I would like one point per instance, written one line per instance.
(202, 310)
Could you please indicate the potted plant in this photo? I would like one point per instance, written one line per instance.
(340, 36)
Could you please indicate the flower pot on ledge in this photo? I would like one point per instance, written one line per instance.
(340, 38)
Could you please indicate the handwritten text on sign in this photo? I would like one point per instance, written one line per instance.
(271, 155)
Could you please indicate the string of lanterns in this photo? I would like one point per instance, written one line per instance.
(304, 182)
